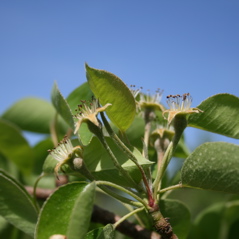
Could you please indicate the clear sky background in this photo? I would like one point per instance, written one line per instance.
(176, 45)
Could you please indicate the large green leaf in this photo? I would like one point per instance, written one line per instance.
(178, 215)
(67, 212)
(33, 114)
(100, 164)
(213, 166)
(15, 147)
(16, 205)
(108, 88)
(220, 115)
(61, 106)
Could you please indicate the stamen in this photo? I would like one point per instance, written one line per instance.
(179, 102)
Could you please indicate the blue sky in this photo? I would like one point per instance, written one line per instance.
(176, 45)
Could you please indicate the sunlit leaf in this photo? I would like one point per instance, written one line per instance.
(220, 115)
(67, 212)
(108, 88)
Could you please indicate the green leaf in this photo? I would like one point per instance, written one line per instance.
(178, 215)
(67, 212)
(220, 115)
(33, 114)
(108, 88)
(101, 166)
(16, 205)
(40, 150)
(213, 166)
(84, 134)
(106, 232)
(15, 147)
(62, 106)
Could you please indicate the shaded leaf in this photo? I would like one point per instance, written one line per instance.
(106, 232)
(16, 205)
(62, 106)
(33, 114)
(15, 147)
(213, 166)
(220, 115)
(108, 88)
(178, 215)
(216, 221)
(67, 212)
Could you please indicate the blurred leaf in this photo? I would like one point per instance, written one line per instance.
(216, 221)
(67, 212)
(16, 205)
(207, 224)
(5, 228)
(213, 166)
(178, 215)
(62, 106)
(33, 114)
(234, 230)
(15, 147)
(83, 92)
(220, 115)
(108, 88)
(40, 150)
(182, 151)
(106, 232)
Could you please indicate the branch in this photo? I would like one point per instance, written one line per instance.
(105, 217)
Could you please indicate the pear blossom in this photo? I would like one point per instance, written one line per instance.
(88, 112)
(179, 104)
